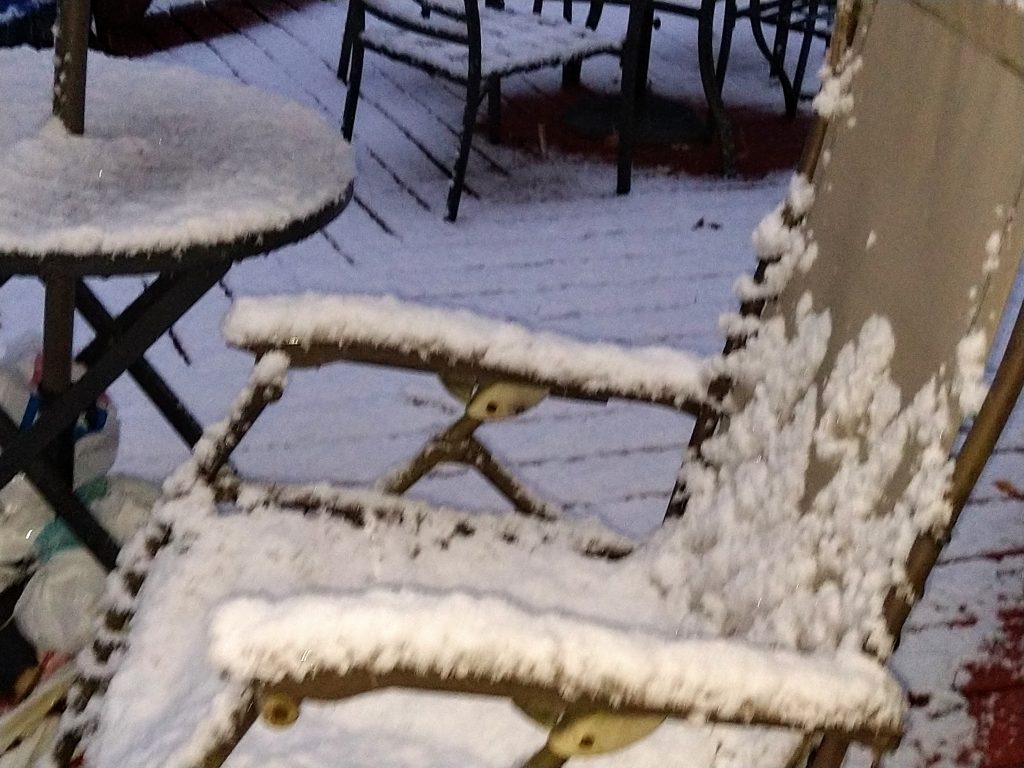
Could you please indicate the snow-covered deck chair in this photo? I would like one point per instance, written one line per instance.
(815, 508)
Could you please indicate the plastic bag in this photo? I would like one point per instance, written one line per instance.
(125, 506)
(61, 601)
(23, 512)
(97, 432)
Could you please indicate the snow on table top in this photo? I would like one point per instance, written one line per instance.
(387, 322)
(170, 159)
(228, 585)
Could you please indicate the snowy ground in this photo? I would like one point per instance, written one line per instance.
(545, 242)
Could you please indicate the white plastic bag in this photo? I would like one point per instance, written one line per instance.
(60, 603)
(97, 431)
(125, 507)
(23, 512)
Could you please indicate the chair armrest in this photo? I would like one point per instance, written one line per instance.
(315, 330)
(482, 644)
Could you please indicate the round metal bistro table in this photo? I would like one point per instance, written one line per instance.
(175, 174)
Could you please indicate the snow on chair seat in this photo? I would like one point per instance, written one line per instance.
(814, 509)
(579, 625)
(510, 42)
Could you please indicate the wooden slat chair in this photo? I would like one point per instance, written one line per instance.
(818, 495)
(475, 47)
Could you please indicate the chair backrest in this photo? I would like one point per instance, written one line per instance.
(444, 20)
(850, 391)
(455, 21)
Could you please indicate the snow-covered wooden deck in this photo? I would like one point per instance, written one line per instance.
(541, 240)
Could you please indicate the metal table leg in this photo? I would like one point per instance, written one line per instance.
(49, 460)
(149, 381)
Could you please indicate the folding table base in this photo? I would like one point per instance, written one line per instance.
(119, 347)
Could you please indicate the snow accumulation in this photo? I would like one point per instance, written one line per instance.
(801, 512)
(758, 600)
(455, 633)
(835, 99)
(386, 322)
(509, 41)
(170, 158)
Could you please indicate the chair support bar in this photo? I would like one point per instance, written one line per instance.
(316, 355)
(326, 685)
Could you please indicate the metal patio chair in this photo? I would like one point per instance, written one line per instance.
(817, 494)
(716, 22)
(810, 19)
(476, 47)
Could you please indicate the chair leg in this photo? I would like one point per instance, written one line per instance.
(725, 43)
(468, 123)
(345, 57)
(627, 133)
(810, 20)
(355, 77)
(571, 73)
(705, 58)
(438, 449)
(545, 758)
(242, 719)
(789, 97)
(781, 40)
(473, 453)
(570, 70)
(830, 753)
(631, 83)
(494, 110)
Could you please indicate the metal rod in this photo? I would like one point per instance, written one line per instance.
(439, 448)
(149, 381)
(974, 454)
(58, 335)
(476, 455)
(189, 287)
(70, 53)
(65, 504)
(991, 419)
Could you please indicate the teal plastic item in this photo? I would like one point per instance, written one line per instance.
(55, 535)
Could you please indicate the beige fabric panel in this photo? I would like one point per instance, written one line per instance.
(928, 167)
(989, 24)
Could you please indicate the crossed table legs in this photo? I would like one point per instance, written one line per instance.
(45, 451)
